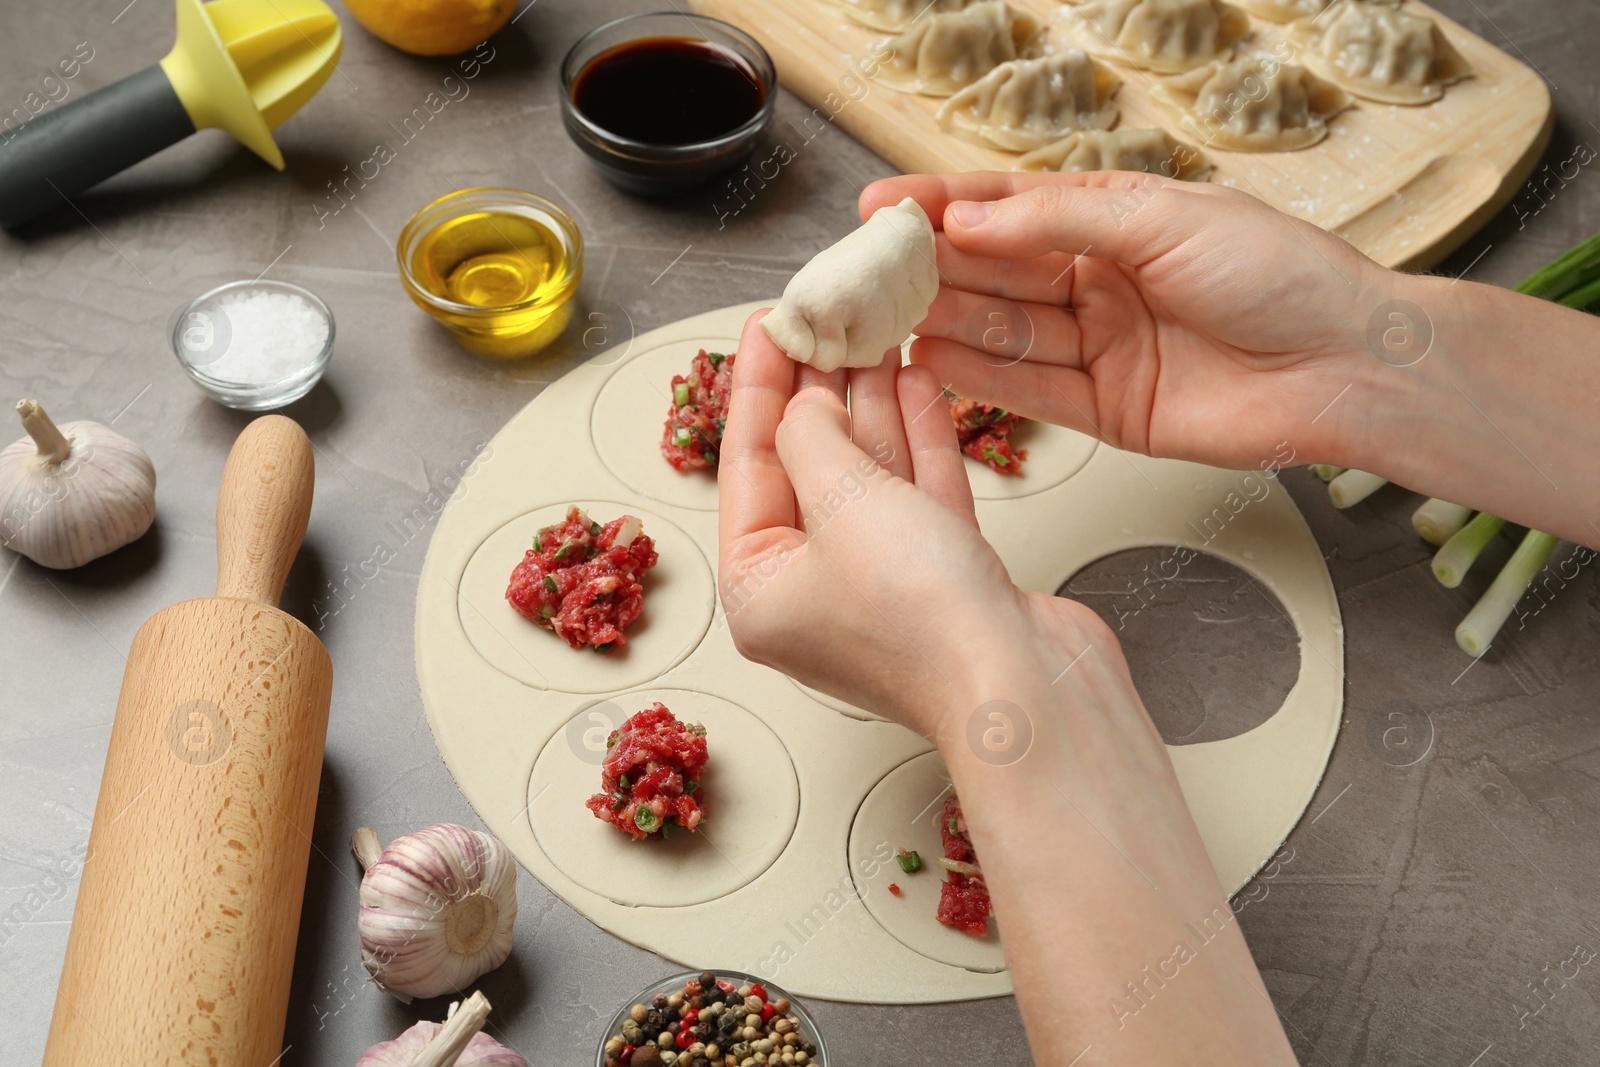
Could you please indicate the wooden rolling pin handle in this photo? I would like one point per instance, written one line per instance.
(263, 509)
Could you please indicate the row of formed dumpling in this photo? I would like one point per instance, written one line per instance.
(1372, 48)
(1058, 107)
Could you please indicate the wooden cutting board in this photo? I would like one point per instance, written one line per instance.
(1407, 185)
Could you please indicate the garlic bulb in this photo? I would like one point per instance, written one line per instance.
(74, 493)
(437, 908)
(455, 1044)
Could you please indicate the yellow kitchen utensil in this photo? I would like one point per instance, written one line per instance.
(238, 65)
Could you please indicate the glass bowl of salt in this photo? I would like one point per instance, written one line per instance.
(254, 345)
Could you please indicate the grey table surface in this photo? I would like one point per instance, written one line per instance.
(1445, 871)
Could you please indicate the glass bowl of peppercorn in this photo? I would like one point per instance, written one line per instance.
(712, 1019)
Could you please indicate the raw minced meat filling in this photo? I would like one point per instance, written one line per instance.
(692, 439)
(650, 777)
(581, 579)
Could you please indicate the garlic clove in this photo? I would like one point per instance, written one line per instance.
(73, 493)
(437, 908)
(457, 1043)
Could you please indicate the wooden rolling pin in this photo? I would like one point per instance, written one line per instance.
(182, 942)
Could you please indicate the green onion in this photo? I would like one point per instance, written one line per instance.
(611, 742)
(646, 820)
(690, 786)
(1582, 297)
(710, 457)
(595, 529)
(715, 358)
(1455, 557)
(1352, 487)
(1326, 471)
(959, 867)
(619, 803)
(1478, 630)
(538, 544)
(622, 782)
(547, 612)
(910, 862)
(680, 394)
(550, 583)
(1436, 521)
(565, 550)
(605, 647)
(995, 457)
(697, 730)
(1576, 267)
(681, 437)
(666, 830)
(952, 825)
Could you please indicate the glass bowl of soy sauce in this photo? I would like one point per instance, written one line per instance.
(664, 102)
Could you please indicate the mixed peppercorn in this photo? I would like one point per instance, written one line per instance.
(711, 1023)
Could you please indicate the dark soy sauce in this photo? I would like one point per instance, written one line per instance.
(668, 91)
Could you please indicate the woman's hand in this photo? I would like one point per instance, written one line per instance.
(851, 558)
(1178, 319)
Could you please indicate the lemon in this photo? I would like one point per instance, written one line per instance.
(432, 27)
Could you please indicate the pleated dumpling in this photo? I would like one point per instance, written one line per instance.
(1152, 151)
(1289, 10)
(1166, 36)
(942, 54)
(1028, 103)
(1253, 105)
(1380, 52)
(892, 16)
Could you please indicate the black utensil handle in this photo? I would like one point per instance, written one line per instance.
(65, 151)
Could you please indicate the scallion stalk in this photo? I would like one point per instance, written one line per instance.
(1582, 296)
(1478, 630)
(1436, 521)
(1353, 486)
(1455, 557)
(1327, 471)
(680, 394)
(1575, 267)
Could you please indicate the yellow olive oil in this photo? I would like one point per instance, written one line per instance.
(514, 274)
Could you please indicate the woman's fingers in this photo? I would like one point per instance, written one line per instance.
(876, 424)
(1046, 279)
(1061, 395)
(824, 465)
(755, 492)
(836, 382)
(1008, 331)
(1133, 224)
(935, 456)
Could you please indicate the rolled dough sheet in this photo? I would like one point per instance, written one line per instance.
(510, 704)
(903, 811)
(750, 791)
(679, 601)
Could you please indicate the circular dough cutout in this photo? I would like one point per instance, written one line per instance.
(838, 705)
(752, 798)
(901, 812)
(679, 599)
(1055, 454)
(630, 415)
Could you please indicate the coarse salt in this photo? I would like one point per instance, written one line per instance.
(256, 337)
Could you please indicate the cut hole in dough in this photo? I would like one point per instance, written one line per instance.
(901, 812)
(751, 792)
(1210, 647)
(679, 599)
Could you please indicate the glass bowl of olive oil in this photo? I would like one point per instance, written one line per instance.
(497, 267)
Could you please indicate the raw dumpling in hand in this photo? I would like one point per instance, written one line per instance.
(861, 297)
(1151, 151)
(1166, 36)
(892, 16)
(1254, 105)
(1379, 52)
(1028, 103)
(942, 54)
